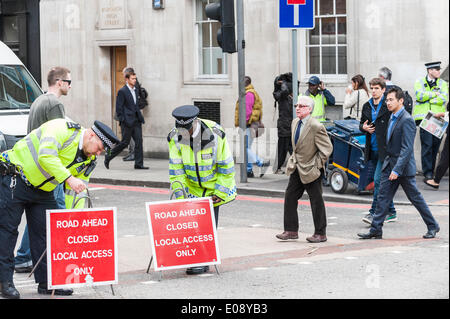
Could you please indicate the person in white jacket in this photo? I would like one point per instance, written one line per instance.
(355, 97)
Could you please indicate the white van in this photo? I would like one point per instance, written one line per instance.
(18, 89)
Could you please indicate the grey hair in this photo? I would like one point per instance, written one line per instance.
(306, 100)
(385, 73)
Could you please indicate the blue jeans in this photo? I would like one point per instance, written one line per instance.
(376, 180)
(23, 253)
(252, 158)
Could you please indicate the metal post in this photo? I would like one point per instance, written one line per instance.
(294, 71)
(241, 67)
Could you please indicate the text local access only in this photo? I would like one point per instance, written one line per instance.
(101, 253)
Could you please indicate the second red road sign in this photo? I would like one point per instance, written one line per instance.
(183, 233)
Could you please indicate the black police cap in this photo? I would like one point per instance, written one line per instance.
(185, 115)
(105, 134)
(433, 65)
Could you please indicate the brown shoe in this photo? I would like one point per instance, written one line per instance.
(288, 235)
(317, 238)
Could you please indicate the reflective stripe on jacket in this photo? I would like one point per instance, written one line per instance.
(50, 154)
(427, 98)
(204, 165)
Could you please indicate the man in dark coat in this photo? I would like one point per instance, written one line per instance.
(283, 96)
(131, 120)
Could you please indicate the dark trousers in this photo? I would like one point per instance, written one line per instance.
(35, 203)
(294, 192)
(134, 132)
(429, 150)
(386, 194)
(284, 146)
(442, 166)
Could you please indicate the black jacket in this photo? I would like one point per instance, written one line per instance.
(381, 127)
(127, 111)
(285, 109)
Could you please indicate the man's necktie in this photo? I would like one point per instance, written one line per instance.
(297, 132)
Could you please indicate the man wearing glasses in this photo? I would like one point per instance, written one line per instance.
(311, 149)
(45, 108)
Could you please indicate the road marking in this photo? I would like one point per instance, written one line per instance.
(238, 197)
(96, 188)
(255, 226)
(260, 268)
(351, 257)
(332, 217)
(331, 224)
(151, 282)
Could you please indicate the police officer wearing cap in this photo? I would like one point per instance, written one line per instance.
(56, 152)
(200, 159)
(431, 95)
(321, 96)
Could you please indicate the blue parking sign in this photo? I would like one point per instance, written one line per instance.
(296, 14)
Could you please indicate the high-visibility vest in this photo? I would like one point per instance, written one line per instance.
(256, 111)
(319, 106)
(50, 154)
(428, 100)
(206, 170)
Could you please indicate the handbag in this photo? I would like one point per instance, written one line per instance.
(257, 129)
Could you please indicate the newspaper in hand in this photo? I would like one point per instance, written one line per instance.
(433, 125)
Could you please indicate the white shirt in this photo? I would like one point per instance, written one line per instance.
(133, 93)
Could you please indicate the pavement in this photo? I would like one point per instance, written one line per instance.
(270, 185)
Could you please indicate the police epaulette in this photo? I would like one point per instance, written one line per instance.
(73, 125)
(171, 134)
(218, 131)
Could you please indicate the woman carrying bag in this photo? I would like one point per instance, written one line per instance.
(355, 98)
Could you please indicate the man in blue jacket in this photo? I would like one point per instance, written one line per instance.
(399, 168)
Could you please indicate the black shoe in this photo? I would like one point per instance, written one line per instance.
(264, 166)
(140, 167)
(107, 160)
(250, 174)
(431, 233)
(197, 270)
(370, 235)
(42, 289)
(129, 158)
(9, 291)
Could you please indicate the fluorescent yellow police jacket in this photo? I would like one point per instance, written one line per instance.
(429, 99)
(51, 154)
(202, 163)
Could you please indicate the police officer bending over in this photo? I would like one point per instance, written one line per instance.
(200, 158)
(56, 152)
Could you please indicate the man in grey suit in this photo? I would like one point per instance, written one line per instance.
(399, 168)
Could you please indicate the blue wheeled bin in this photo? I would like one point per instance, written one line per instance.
(346, 163)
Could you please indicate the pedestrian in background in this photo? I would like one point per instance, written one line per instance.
(386, 74)
(142, 96)
(399, 168)
(311, 145)
(356, 95)
(253, 111)
(46, 107)
(282, 94)
(131, 120)
(374, 122)
(442, 166)
(431, 95)
(321, 97)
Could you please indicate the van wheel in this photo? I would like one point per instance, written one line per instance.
(338, 181)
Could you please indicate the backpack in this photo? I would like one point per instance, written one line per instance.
(408, 103)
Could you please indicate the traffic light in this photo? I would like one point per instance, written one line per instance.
(223, 11)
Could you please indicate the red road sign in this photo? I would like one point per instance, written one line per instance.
(183, 233)
(81, 247)
(296, 1)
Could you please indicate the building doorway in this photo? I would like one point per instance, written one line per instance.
(118, 60)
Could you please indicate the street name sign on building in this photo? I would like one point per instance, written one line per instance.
(183, 233)
(81, 247)
(296, 14)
